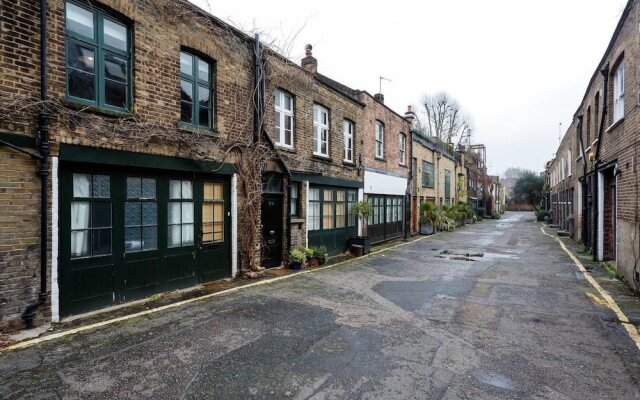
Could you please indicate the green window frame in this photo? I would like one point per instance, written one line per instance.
(330, 208)
(428, 172)
(97, 58)
(447, 186)
(197, 91)
(91, 216)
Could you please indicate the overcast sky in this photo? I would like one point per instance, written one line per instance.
(518, 67)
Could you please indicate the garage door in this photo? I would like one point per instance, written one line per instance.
(128, 234)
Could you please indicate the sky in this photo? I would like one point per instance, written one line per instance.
(518, 67)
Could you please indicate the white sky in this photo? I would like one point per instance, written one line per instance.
(519, 67)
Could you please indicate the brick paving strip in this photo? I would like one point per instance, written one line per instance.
(608, 300)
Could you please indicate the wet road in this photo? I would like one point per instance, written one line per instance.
(492, 310)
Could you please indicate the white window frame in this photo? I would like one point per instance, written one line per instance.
(569, 162)
(403, 148)
(318, 127)
(618, 93)
(379, 137)
(284, 113)
(348, 130)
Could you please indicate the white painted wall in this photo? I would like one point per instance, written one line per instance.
(378, 183)
(55, 198)
(234, 224)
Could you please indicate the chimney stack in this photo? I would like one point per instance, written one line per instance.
(379, 97)
(309, 62)
(410, 115)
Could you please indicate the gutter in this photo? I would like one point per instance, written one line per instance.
(29, 313)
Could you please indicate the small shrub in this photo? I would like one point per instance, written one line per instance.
(297, 255)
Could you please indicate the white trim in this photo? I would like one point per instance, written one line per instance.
(280, 139)
(379, 128)
(318, 127)
(347, 133)
(600, 243)
(360, 198)
(306, 225)
(234, 225)
(55, 199)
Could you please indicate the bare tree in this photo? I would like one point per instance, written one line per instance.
(442, 117)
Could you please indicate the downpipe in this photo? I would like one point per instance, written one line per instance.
(29, 313)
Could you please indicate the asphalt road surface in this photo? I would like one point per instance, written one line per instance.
(492, 310)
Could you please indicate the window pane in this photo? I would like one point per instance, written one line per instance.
(149, 213)
(81, 185)
(149, 238)
(134, 188)
(174, 213)
(174, 239)
(175, 189)
(203, 96)
(100, 214)
(132, 213)
(187, 234)
(208, 191)
(186, 112)
(218, 213)
(132, 239)
(207, 228)
(186, 91)
(149, 188)
(115, 93)
(204, 116)
(80, 57)
(187, 212)
(79, 20)
(115, 35)
(101, 186)
(81, 85)
(186, 64)
(278, 96)
(314, 194)
(340, 195)
(187, 190)
(115, 68)
(217, 191)
(288, 103)
(207, 214)
(203, 70)
(80, 243)
(327, 215)
(80, 215)
(101, 241)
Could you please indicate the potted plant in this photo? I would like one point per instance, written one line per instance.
(428, 214)
(361, 244)
(321, 254)
(297, 257)
(309, 253)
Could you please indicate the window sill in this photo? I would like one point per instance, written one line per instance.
(614, 126)
(284, 147)
(76, 105)
(321, 157)
(348, 163)
(297, 220)
(194, 129)
(403, 165)
(381, 159)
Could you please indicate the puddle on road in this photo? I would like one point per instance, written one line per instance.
(494, 379)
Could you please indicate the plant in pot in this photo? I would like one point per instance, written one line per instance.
(469, 215)
(361, 244)
(297, 257)
(428, 215)
(321, 254)
(310, 254)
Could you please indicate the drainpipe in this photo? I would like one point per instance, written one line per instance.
(29, 313)
(258, 96)
(408, 194)
(583, 184)
(594, 239)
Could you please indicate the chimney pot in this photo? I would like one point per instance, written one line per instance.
(309, 62)
(379, 97)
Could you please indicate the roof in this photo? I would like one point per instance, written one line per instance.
(339, 87)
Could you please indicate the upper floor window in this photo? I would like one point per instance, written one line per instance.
(347, 127)
(284, 118)
(320, 131)
(618, 92)
(569, 162)
(196, 88)
(447, 186)
(379, 140)
(97, 58)
(403, 148)
(428, 175)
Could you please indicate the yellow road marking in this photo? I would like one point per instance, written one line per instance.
(605, 297)
(597, 299)
(31, 342)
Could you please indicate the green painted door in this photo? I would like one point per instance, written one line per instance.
(128, 234)
(330, 219)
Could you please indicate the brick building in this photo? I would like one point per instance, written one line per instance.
(594, 175)
(478, 181)
(386, 159)
(317, 125)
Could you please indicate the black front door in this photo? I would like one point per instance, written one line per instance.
(271, 230)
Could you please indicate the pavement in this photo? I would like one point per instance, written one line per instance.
(494, 310)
